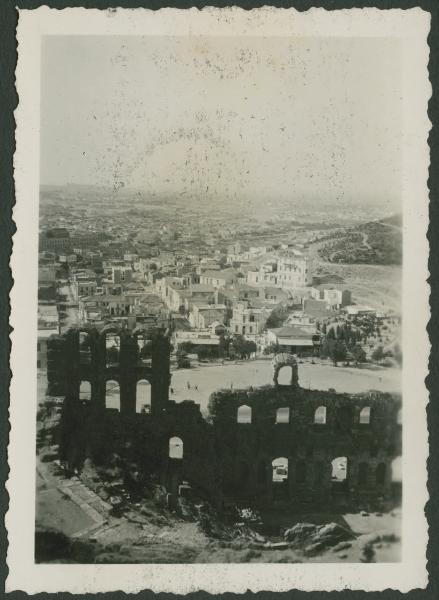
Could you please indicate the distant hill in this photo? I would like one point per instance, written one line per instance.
(374, 243)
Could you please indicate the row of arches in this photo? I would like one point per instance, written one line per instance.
(112, 348)
(112, 394)
(244, 415)
(339, 466)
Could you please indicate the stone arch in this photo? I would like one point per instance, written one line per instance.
(112, 348)
(85, 390)
(340, 472)
(320, 415)
(176, 448)
(285, 360)
(365, 415)
(283, 415)
(363, 474)
(143, 396)
(280, 477)
(244, 414)
(380, 473)
(112, 394)
(84, 347)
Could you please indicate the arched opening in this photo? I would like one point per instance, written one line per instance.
(112, 394)
(84, 348)
(363, 474)
(301, 472)
(396, 469)
(365, 415)
(244, 414)
(280, 477)
(144, 346)
(85, 390)
(176, 448)
(339, 469)
(399, 417)
(380, 474)
(283, 415)
(285, 375)
(112, 349)
(143, 396)
(320, 415)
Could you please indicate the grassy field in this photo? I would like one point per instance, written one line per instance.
(205, 379)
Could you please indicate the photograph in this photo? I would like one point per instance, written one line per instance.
(224, 265)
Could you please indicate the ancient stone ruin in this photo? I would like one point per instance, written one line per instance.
(277, 444)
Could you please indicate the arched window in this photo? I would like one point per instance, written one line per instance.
(112, 349)
(301, 472)
(396, 469)
(399, 417)
(280, 469)
(85, 390)
(320, 415)
(339, 469)
(176, 448)
(244, 414)
(84, 348)
(365, 415)
(380, 474)
(363, 474)
(143, 396)
(285, 375)
(112, 394)
(283, 415)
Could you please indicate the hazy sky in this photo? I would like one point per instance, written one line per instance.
(254, 117)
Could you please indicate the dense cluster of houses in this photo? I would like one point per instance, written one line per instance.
(202, 296)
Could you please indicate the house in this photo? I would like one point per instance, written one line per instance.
(219, 279)
(248, 320)
(335, 296)
(293, 339)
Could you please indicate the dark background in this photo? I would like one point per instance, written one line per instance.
(8, 102)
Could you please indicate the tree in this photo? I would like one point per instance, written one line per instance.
(330, 334)
(182, 309)
(378, 354)
(358, 353)
(183, 361)
(334, 349)
(250, 347)
(185, 347)
(237, 346)
(271, 349)
(277, 317)
(223, 346)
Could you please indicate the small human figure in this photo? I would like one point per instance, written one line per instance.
(196, 388)
(188, 385)
(231, 386)
(172, 390)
